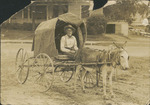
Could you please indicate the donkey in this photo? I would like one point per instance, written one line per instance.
(116, 56)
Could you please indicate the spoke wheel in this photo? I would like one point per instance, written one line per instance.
(90, 79)
(22, 66)
(43, 73)
(65, 73)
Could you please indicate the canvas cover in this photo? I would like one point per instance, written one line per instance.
(44, 40)
(70, 18)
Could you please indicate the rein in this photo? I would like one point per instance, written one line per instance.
(112, 56)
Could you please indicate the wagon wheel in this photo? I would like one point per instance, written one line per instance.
(90, 79)
(65, 73)
(22, 66)
(43, 74)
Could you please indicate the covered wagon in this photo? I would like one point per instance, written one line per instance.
(46, 63)
(47, 59)
(48, 34)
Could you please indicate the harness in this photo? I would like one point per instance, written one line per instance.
(112, 56)
(109, 56)
(115, 58)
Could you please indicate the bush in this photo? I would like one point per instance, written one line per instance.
(96, 24)
(27, 26)
(18, 26)
(12, 26)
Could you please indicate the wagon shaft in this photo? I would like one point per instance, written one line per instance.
(83, 64)
(69, 64)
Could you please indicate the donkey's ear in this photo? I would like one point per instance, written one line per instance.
(116, 45)
(125, 43)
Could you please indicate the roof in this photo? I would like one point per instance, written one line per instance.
(61, 0)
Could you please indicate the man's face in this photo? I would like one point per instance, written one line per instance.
(69, 32)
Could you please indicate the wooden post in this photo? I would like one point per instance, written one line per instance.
(50, 11)
(47, 12)
(9, 21)
(23, 14)
(33, 17)
(149, 7)
(28, 14)
(33, 20)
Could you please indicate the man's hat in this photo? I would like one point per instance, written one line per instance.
(69, 26)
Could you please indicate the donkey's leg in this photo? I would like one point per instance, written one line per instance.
(82, 78)
(104, 75)
(116, 73)
(97, 75)
(78, 68)
(110, 82)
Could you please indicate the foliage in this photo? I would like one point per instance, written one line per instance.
(96, 24)
(125, 10)
(142, 9)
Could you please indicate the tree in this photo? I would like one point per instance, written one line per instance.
(125, 10)
(143, 9)
(96, 24)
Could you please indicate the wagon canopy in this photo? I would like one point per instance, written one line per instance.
(48, 34)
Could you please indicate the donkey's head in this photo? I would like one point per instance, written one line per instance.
(122, 56)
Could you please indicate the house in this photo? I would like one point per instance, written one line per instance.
(41, 10)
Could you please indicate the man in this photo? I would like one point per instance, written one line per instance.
(146, 24)
(68, 42)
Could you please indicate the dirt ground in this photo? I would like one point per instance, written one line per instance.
(132, 87)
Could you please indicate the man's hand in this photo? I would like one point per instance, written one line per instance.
(72, 51)
(72, 48)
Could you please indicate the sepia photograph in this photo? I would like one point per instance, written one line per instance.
(77, 52)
